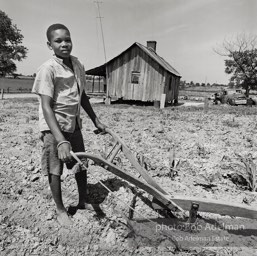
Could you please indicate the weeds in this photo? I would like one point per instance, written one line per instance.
(116, 117)
(249, 173)
(201, 150)
(173, 163)
(231, 123)
(33, 117)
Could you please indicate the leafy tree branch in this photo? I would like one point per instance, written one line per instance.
(11, 48)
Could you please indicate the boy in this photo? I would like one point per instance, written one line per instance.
(60, 84)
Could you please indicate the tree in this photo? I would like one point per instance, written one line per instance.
(182, 84)
(241, 62)
(11, 48)
(231, 85)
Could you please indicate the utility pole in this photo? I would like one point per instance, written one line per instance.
(105, 59)
(100, 19)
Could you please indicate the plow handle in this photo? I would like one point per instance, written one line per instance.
(134, 161)
(110, 132)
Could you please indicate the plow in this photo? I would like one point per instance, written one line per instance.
(182, 207)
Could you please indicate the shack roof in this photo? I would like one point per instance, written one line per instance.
(101, 71)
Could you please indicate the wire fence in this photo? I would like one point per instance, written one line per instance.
(24, 85)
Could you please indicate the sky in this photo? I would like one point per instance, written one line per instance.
(186, 31)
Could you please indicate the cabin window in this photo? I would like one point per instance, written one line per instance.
(135, 77)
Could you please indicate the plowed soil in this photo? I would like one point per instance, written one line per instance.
(207, 145)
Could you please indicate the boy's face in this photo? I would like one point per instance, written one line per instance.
(60, 43)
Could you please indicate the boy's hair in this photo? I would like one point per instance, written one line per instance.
(54, 27)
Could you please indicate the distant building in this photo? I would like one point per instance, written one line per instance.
(139, 73)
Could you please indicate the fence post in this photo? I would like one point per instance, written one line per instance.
(93, 85)
(2, 94)
(206, 105)
(162, 103)
(99, 84)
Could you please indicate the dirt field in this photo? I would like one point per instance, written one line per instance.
(205, 143)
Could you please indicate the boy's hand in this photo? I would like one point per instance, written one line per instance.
(64, 152)
(100, 126)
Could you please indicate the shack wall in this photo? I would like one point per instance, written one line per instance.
(171, 87)
(152, 77)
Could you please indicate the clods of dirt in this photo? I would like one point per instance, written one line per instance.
(187, 150)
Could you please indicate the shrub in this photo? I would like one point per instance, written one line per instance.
(249, 172)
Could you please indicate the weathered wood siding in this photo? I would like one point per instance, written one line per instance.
(171, 87)
(152, 82)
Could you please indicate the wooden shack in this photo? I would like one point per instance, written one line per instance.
(139, 73)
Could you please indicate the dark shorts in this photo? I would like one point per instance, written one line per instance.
(50, 162)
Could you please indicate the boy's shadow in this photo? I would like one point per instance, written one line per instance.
(97, 193)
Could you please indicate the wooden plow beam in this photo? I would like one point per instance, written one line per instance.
(216, 206)
(164, 199)
(176, 204)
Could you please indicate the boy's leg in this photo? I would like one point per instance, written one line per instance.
(81, 179)
(55, 185)
(53, 167)
(77, 144)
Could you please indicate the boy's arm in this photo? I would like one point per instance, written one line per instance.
(89, 110)
(65, 148)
